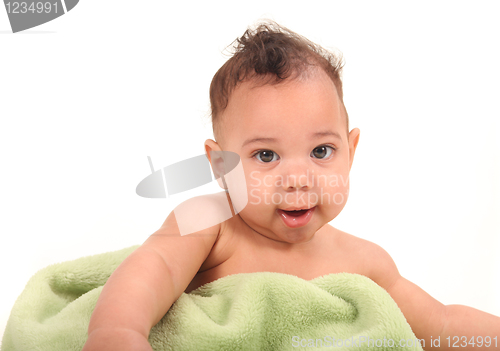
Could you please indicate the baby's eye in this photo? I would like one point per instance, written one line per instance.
(266, 156)
(322, 151)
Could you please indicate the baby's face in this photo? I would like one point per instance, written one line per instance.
(296, 154)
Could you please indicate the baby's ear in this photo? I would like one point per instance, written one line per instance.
(210, 146)
(353, 144)
(214, 155)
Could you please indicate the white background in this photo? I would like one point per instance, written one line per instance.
(85, 99)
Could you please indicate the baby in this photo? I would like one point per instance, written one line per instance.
(277, 103)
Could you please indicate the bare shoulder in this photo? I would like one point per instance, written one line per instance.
(371, 259)
(188, 235)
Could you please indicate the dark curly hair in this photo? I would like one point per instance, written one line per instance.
(270, 53)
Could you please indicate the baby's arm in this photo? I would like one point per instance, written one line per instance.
(431, 319)
(143, 288)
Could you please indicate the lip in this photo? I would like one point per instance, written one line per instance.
(296, 208)
(296, 221)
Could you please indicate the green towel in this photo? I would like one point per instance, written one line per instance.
(248, 311)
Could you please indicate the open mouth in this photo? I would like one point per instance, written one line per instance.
(296, 213)
(296, 218)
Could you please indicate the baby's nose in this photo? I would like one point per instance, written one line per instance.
(297, 176)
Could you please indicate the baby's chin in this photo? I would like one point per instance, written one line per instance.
(297, 238)
(275, 230)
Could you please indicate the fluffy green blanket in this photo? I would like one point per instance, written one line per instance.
(251, 311)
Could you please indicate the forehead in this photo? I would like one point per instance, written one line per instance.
(288, 109)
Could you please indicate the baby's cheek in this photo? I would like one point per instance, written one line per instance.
(258, 186)
(257, 195)
(333, 191)
(254, 197)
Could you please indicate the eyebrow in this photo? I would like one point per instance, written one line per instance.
(327, 133)
(273, 140)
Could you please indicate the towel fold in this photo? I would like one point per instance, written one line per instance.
(247, 311)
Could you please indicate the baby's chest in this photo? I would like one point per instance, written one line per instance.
(249, 258)
(307, 265)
